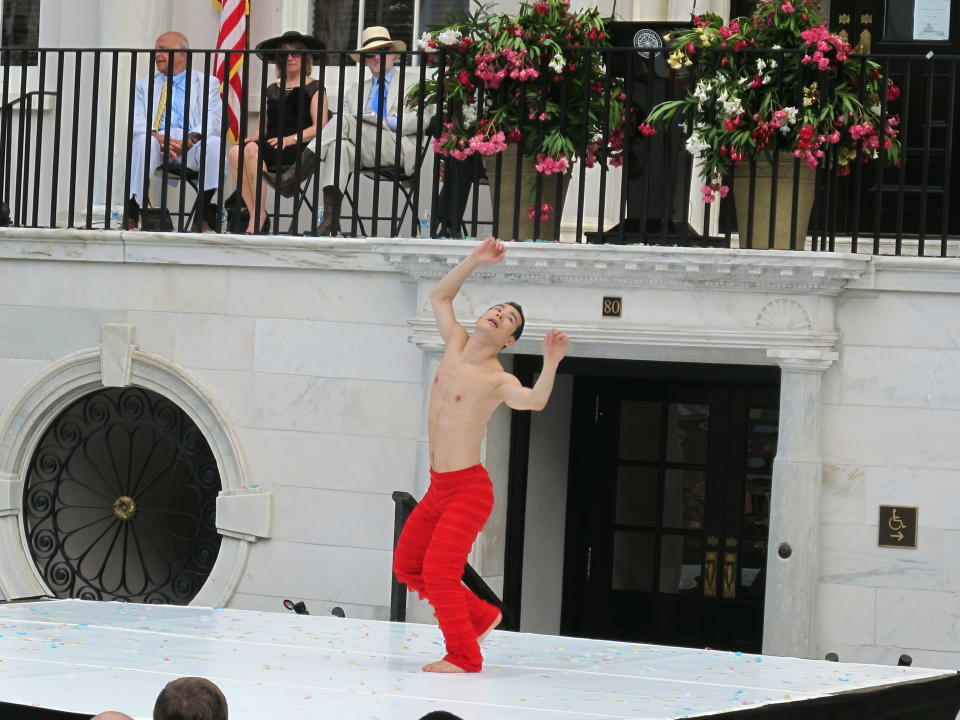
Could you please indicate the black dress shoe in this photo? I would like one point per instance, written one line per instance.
(263, 230)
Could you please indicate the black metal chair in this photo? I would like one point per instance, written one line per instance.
(395, 176)
(290, 184)
(176, 172)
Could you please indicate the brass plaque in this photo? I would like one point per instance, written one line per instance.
(898, 526)
(843, 19)
(612, 306)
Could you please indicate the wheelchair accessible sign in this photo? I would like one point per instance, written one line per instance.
(898, 526)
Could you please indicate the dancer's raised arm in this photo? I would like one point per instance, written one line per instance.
(517, 396)
(488, 252)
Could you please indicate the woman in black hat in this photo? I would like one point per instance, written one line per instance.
(296, 108)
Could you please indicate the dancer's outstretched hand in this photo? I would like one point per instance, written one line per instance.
(555, 345)
(490, 251)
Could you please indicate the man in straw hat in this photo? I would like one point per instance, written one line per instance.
(380, 103)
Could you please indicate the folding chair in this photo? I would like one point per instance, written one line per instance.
(290, 184)
(159, 218)
(392, 175)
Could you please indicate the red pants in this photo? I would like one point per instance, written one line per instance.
(432, 552)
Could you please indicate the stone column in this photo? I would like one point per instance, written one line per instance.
(123, 24)
(127, 24)
(793, 553)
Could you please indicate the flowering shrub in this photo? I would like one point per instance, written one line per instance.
(777, 81)
(530, 78)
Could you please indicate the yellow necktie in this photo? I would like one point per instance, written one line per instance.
(161, 106)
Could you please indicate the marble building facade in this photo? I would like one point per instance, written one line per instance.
(306, 364)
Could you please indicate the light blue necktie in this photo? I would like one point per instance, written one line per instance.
(375, 95)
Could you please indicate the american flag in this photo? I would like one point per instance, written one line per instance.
(232, 36)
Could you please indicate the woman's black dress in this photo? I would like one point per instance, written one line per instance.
(287, 112)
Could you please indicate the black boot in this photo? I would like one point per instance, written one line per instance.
(205, 218)
(331, 212)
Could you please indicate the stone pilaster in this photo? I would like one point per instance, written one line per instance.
(793, 552)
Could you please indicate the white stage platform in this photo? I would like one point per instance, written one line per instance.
(87, 657)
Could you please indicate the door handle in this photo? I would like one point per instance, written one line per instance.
(730, 574)
(710, 574)
(589, 563)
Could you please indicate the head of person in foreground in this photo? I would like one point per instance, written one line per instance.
(190, 698)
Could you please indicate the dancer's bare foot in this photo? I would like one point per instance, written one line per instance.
(493, 625)
(442, 666)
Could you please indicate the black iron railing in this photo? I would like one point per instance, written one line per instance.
(403, 506)
(71, 125)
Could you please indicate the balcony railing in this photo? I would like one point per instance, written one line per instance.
(69, 126)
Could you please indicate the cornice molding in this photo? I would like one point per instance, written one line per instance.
(614, 266)
(803, 360)
(782, 272)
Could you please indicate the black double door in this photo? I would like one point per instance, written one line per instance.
(668, 511)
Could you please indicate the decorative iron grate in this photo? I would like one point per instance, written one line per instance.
(120, 501)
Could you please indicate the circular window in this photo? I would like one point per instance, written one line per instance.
(120, 501)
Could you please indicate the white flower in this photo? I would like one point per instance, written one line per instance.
(449, 37)
(732, 106)
(423, 40)
(558, 63)
(875, 109)
(469, 115)
(696, 144)
(791, 112)
(703, 88)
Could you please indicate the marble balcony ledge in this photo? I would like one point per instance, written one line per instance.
(772, 271)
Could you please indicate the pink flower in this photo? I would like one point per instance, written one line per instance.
(545, 211)
(646, 129)
(834, 137)
(787, 7)
(488, 146)
(548, 165)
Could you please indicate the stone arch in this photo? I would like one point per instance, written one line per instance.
(60, 384)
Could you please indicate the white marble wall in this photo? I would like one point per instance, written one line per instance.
(313, 371)
(303, 346)
(891, 419)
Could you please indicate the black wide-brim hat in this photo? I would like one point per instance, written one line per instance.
(290, 37)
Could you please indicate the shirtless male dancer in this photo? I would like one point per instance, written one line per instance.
(470, 384)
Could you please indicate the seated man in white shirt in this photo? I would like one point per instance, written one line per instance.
(381, 86)
(169, 87)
